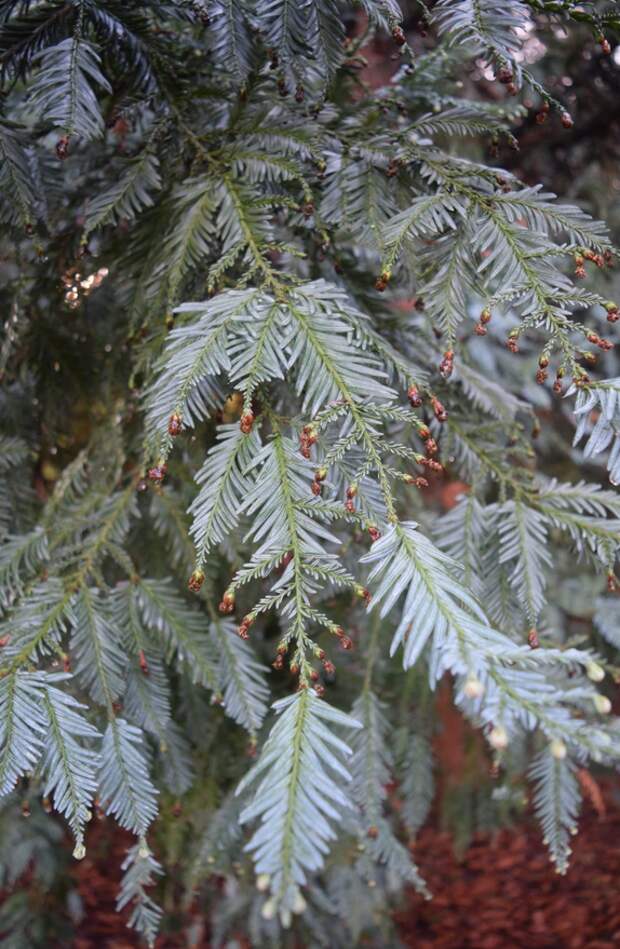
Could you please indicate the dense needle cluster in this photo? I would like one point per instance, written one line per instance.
(251, 302)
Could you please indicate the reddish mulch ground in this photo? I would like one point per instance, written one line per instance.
(502, 895)
(505, 895)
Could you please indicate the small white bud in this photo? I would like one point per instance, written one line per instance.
(299, 903)
(79, 851)
(144, 853)
(473, 688)
(595, 672)
(262, 882)
(558, 749)
(269, 909)
(498, 738)
(602, 704)
(286, 919)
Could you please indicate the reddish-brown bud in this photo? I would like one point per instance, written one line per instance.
(374, 532)
(66, 660)
(446, 365)
(320, 474)
(352, 491)
(320, 690)
(157, 473)
(62, 147)
(480, 330)
(485, 316)
(431, 447)
(532, 639)
(431, 464)
(174, 424)
(612, 583)
(246, 423)
(504, 75)
(398, 36)
(372, 832)
(144, 666)
(316, 488)
(329, 667)
(424, 432)
(337, 631)
(440, 413)
(415, 399)
(350, 506)
(228, 602)
(512, 345)
(245, 624)
(346, 643)
(314, 676)
(541, 376)
(567, 120)
(196, 580)
(604, 44)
